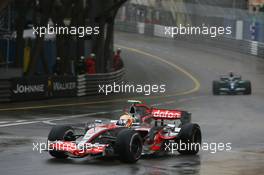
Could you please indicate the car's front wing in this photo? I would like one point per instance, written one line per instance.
(78, 150)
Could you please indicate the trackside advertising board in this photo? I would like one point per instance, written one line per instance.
(36, 88)
(63, 86)
(31, 88)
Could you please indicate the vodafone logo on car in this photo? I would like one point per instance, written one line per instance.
(169, 114)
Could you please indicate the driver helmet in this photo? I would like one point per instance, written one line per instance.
(119, 50)
(82, 58)
(92, 55)
(231, 74)
(134, 114)
(126, 120)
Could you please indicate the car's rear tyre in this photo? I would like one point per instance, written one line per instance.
(248, 90)
(128, 146)
(189, 139)
(216, 87)
(63, 133)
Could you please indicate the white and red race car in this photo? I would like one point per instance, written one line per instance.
(141, 130)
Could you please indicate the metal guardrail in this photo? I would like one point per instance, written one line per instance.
(244, 46)
(89, 84)
(37, 88)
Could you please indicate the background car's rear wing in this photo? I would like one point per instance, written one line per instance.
(226, 77)
(164, 114)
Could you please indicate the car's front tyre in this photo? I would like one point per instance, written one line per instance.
(129, 146)
(60, 133)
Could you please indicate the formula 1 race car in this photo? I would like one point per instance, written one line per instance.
(141, 130)
(231, 84)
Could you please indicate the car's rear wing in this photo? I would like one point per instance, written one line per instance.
(164, 114)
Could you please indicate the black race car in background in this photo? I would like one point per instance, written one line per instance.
(231, 84)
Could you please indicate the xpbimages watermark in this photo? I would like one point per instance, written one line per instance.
(211, 147)
(58, 146)
(64, 30)
(173, 148)
(146, 89)
(211, 31)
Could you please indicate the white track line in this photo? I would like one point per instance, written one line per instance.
(49, 123)
(4, 122)
(16, 124)
(19, 121)
(57, 119)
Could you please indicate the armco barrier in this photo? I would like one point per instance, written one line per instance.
(89, 84)
(244, 46)
(29, 88)
(62, 86)
(37, 88)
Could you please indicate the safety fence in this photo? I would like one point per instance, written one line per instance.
(36, 88)
(244, 46)
(89, 84)
(151, 18)
(47, 87)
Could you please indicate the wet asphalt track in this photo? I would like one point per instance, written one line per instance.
(235, 119)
